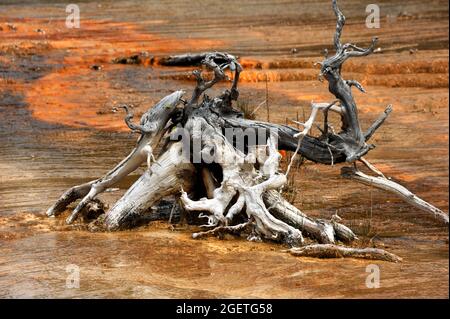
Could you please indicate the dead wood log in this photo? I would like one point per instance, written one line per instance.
(325, 232)
(350, 140)
(241, 180)
(171, 173)
(235, 229)
(152, 127)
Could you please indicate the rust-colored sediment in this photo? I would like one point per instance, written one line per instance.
(72, 94)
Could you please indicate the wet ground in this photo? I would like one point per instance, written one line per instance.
(57, 130)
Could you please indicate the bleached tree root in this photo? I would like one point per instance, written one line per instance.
(325, 232)
(335, 251)
(172, 173)
(152, 128)
(69, 197)
(393, 187)
(242, 180)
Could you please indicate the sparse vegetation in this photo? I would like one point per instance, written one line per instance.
(245, 107)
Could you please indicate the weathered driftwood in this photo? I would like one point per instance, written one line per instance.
(383, 183)
(152, 127)
(335, 251)
(323, 231)
(220, 230)
(241, 180)
(236, 184)
(183, 59)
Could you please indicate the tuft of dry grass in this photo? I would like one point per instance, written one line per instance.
(244, 107)
(290, 188)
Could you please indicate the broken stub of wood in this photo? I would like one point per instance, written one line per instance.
(239, 188)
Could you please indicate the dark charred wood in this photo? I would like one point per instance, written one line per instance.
(350, 140)
(312, 148)
(183, 59)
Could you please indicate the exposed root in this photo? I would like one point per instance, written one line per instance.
(379, 121)
(222, 229)
(243, 186)
(152, 124)
(307, 127)
(69, 197)
(94, 209)
(165, 179)
(335, 251)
